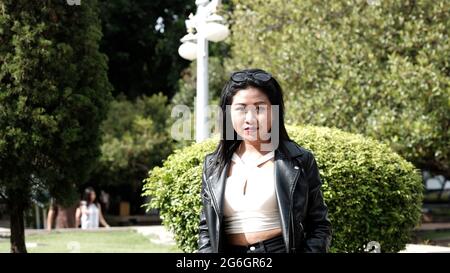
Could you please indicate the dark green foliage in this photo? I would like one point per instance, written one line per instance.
(143, 57)
(54, 94)
(372, 193)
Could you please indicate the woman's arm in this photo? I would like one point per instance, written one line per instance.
(101, 218)
(317, 225)
(204, 243)
(78, 217)
(50, 218)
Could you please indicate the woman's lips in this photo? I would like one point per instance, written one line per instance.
(250, 129)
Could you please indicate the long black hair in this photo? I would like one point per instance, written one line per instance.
(87, 196)
(274, 93)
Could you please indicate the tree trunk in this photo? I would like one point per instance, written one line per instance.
(17, 227)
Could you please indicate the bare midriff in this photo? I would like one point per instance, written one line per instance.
(245, 239)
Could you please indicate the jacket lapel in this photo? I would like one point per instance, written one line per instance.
(218, 189)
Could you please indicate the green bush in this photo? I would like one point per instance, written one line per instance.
(382, 70)
(373, 194)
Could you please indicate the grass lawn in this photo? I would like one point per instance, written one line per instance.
(91, 242)
(436, 235)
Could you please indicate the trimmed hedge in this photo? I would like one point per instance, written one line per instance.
(372, 193)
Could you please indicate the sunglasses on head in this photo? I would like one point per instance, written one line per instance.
(244, 76)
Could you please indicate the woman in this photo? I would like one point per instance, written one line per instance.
(260, 190)
(90, 212)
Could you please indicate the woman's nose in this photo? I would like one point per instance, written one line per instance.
(250, 116)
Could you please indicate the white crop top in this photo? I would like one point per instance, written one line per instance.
(91, 218)
(250, 203)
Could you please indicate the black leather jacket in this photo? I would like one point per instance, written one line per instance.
(303, 213)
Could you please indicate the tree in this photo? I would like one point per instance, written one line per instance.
(141, 39)
(135, 139)
(54, 93)
(374, 67)
(187, 83)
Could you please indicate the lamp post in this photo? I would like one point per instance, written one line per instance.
(202, 27)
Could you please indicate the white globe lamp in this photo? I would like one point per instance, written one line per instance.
(216, 32)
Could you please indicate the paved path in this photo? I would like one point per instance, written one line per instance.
(425, 249)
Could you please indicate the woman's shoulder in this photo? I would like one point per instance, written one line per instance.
(210, 163)
(296, 150)
(209, 158)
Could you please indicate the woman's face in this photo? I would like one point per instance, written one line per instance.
(92, 196)
(251, 115)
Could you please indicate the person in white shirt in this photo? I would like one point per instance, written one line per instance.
(89, 215)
